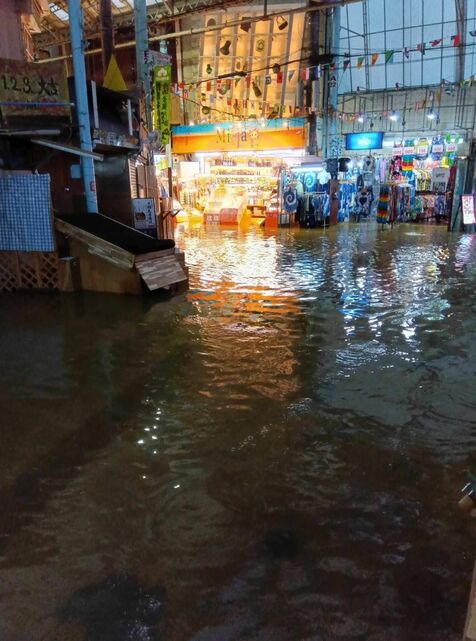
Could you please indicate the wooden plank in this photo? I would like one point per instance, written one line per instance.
(115, 255)
(161, 272)
(37, 263)
(470, 627)
(98, 275)
(16, 262)
(159, 254)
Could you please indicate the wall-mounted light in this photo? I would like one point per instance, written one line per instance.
(282, 23)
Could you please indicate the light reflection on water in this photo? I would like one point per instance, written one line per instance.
(281, 449)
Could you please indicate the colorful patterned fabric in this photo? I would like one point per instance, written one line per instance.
(383, 202)
(25, 213)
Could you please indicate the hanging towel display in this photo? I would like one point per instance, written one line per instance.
(290, 200)
(310, 182)
(408, 155)
(368, 165)
(382, 208)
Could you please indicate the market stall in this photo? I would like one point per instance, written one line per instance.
(418, 174)
(229, 173)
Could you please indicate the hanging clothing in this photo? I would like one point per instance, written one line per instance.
(290, 200)
(363, 201)
(383, 205)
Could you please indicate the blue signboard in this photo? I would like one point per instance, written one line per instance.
(364, 141)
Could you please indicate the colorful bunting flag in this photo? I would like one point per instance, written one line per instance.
(360, 62)
(290, 75)
(346, 64)
(406, 52)
(421, 48)
(456, 40)
(389, 56)
(374, 57)
(436, 43)
(305, 74)
(279, 77)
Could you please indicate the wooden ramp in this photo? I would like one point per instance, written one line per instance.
(118, 259)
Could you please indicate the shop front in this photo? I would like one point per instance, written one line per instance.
(230, 173)
(398, 179)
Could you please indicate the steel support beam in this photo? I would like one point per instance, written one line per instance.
(82, 109)
(142, 44)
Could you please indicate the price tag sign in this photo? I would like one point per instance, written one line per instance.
(437, 149)
(467, 203)
(397, 151)
(28, 89)
(451, 147)
(143, 211)
(408, 151)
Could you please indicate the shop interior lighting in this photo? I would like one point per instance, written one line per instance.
(246, 24)
(191, 123)
(431, 115)
(360, 119)
(393, 116)
(281, 22)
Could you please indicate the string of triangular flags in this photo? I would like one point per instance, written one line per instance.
(389, 55)
(263, 108)
(222, 86)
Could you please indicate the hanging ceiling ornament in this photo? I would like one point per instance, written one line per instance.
(260, 45)
(256, 90)
(246, 24)
(268, 80)
(225, 49)
(209, 69)
(276, 68)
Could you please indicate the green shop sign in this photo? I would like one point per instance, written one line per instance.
(161, 77)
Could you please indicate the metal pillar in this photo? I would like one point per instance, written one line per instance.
(461, 8)
(82, 109)
(107, 34)
(142, 44)
(331, 93)
(334, 89)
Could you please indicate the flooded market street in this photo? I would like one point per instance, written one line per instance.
(275, 455)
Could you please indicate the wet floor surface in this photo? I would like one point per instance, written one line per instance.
(275, 456)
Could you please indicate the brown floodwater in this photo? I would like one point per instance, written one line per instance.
(276, 455)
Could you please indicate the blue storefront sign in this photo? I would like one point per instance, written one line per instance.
(364, 141)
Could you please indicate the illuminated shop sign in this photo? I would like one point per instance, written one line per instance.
(364, 141)
(242, 136)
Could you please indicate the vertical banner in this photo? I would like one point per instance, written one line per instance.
(161, 77)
